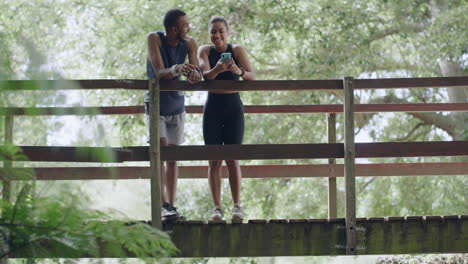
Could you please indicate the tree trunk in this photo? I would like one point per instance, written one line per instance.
(456, 95)
(451, 69)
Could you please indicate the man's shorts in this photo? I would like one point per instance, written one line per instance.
(171, 127)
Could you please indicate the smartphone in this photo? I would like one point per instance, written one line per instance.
(225, 56)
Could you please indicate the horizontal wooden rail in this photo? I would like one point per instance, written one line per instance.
(261, 85)
(411, 149)
(62, 111)
(170, 85)
(396, 83)
(248, 171)
(17, 85)
(247, 152)
(104, 154)
(251, 109)
(315, 151)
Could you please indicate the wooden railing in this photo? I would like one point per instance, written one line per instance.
(347, 150)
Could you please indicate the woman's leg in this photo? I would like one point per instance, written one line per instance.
(212, 129)
(214, 179)
(233, 133)
(235, 178)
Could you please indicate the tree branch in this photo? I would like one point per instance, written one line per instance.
(262, 61)
(413, 28)
(366, 184)
(405, 138)
(445, 122)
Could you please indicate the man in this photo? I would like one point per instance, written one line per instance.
(166, 59)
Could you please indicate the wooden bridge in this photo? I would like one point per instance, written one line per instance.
(278, 237)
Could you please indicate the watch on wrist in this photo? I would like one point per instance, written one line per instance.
(199, 72)
(174, 70)
(243, 71)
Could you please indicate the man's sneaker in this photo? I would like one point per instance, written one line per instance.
(169, 212)
(237, 214)
(217, 214)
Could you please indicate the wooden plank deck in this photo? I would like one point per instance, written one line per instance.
(311, 237)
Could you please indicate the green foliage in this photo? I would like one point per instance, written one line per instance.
(34, 224)
(402, 196)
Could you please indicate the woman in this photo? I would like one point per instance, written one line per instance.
(223, 116)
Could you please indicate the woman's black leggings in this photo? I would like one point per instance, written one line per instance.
(223, 119)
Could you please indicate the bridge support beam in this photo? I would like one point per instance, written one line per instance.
(155, 154)
(349, 166)
(6, 184)
(332, 197)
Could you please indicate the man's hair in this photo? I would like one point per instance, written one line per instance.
(215, 19)
(171, 18)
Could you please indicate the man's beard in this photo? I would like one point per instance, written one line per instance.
(179, 37)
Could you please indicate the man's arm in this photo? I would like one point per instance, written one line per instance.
(192, 52)
(154, 56)
(195, 75)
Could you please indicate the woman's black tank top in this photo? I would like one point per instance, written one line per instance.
(214, 57)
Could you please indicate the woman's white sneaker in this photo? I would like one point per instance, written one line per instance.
(217, 214)
(237, 214)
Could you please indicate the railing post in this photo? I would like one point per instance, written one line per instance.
(332, 211)
(350, 192)
(6, 190)
(155, 154)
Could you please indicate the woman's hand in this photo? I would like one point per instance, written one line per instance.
(232, 66)
(222, 66)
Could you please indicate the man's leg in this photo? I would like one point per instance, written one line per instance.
(163, 142)
(164, 198)
(168, 188)
(172, 174)
(174, 132)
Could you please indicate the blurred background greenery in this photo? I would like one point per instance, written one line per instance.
(286, 40)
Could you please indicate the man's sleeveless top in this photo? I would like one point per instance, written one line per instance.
(214, 57)
(171, 102)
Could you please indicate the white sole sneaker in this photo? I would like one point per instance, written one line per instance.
(217, 215)
(237, 214)
(216, 218)
(237, 219)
